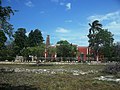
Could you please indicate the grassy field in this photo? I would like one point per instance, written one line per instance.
(58, 81)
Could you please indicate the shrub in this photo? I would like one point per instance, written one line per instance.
(113, 68)
(7, 58)
(117, 59)
(10, 58)
(2, 59)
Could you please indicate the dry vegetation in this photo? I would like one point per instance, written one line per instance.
(59, 81)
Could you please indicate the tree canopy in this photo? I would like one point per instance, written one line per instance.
(34, 51)
(100, 40)
(3, 39)
(5, 14)
(65, 49)
(31, 44)
(20, 39)
(35, 38)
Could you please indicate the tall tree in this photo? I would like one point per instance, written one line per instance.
(95, 27)
(100, 39)
(35, 38)
(63, 48)
(20, 39)
(5, 14)
(10, 49)
(105, 40)
(3, 39)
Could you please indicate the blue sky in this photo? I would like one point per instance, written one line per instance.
(66, 19)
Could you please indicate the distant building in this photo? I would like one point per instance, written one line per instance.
(85, 52)
(48, 41)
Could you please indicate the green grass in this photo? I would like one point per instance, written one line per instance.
(64, 81)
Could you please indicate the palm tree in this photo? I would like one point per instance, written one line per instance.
(95, 27)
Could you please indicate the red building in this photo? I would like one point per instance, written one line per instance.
(83, 50)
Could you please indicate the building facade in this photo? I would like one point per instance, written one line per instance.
(84, 52)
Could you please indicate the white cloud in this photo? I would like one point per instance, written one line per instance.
(111, 22)
(27, 33)
(29, 4)
(73, 36)
(62, 3)
(68, 6)
(114, 27)
(62, 30)
(108, 16)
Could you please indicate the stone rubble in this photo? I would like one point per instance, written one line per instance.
(59, 71)
(46, 71)
(53, 71)
(108, 78)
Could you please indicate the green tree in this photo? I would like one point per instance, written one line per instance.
(30, 39)
(116, 52)
(35, 38)
(65, 49)
(5, 14)
(105, 40)
(73, 50)
(95, 27)
(117, 49)
(10, 49)
(100, 40)
(34, 51)
(20, 40)
(3, 39)
(25, 52)
(7, 52)
(51, 51)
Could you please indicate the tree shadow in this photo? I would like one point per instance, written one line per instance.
(41, 64)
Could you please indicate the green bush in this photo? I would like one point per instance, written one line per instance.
(113, 68)
(117, 59)
(2, 59)
(7, 58)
